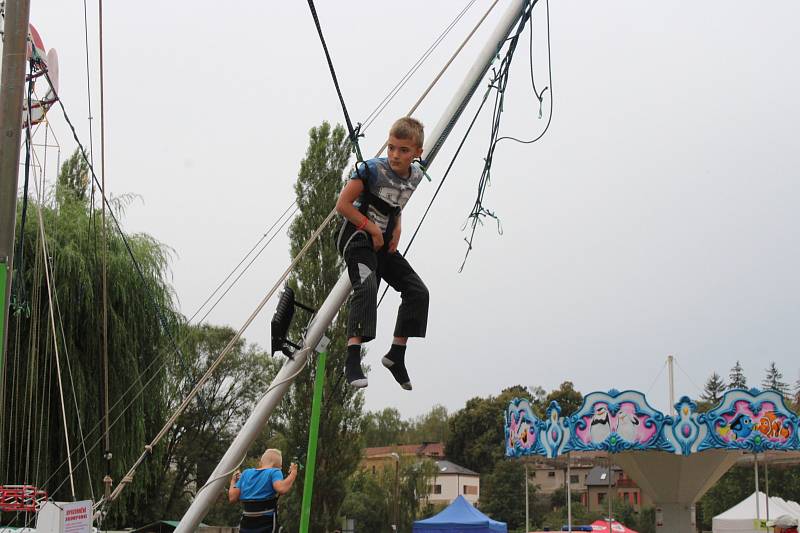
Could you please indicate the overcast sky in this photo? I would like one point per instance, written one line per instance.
(657, 216)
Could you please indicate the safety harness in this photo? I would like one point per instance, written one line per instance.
(256, 512)
(365, 200)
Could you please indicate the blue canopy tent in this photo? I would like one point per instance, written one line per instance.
(460, 517)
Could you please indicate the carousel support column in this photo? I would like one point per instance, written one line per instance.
(527, 513)
(766, 483)
(569, 495)
(755, 466)
(610, 498)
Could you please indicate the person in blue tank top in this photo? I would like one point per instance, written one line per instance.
(258, 489)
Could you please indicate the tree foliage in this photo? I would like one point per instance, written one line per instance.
(503, 490)
(387, 427)
(773, 380)
(203, 433)
(140, 312)
(317, 187)
(737, 379)
(739, 483)
(476, 431)
(713, 389)
(567, 397)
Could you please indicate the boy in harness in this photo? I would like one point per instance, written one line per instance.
(258, 489)
(371, 204)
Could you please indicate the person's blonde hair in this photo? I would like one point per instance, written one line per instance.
(272, 458)
(408, 128)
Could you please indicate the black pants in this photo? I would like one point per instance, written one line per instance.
(366, 268)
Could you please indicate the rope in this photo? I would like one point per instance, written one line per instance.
(222, 355)
(88, 84)
(104, 233)
(354, 132)
(414, 68)
(246, 267)
(264, 236)
(441, 182)
(499, 82)
(64, 341)
(18, 298)
(159, 312)
(158, 370)
(55, 349)
(444, 69)
(538, 95)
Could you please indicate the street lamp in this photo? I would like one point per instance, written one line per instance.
(396, 458)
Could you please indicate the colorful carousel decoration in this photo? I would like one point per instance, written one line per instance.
(675, 459)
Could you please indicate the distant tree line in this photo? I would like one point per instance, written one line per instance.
(715, 385)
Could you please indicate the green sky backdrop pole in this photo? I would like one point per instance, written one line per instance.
(313, 433)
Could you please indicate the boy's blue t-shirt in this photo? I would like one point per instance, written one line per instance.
(382, 181)
(256, 484)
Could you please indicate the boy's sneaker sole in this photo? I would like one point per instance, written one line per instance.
(400, 375)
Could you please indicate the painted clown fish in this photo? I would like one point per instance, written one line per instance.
(740, 427)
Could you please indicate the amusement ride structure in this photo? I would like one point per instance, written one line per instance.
(674, 458)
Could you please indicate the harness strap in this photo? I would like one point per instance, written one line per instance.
(256, 508)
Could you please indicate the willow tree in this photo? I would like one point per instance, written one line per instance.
(140, 315)
(317, 187)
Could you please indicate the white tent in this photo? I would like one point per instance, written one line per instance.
(794, 506)
(741, 517)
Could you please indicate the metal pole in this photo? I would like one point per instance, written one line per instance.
(338, 295)
(107, 480)
(527, 513)
(12, 91)
(609, 493)
(766, 482)
(396, 492)
(313, 434)
(569, 495)
(755, 466)
(671, 365)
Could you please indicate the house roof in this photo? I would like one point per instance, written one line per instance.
(426, 449)
(446, 467)
(599, 476)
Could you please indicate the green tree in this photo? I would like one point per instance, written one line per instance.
(556, 518)
(567, 397)
(141, 317)
(559, 497)
(203, 433)
(737, 379)
(73, 178)
(646, 522)
(384, 428)
(368, 500)
(477, 431)
(416, 479)
(797, 395)
(433, 426)
(371, 500)
(773, 380)
(738, 483)
(317, 187)
(714, 389)
(503, 490)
